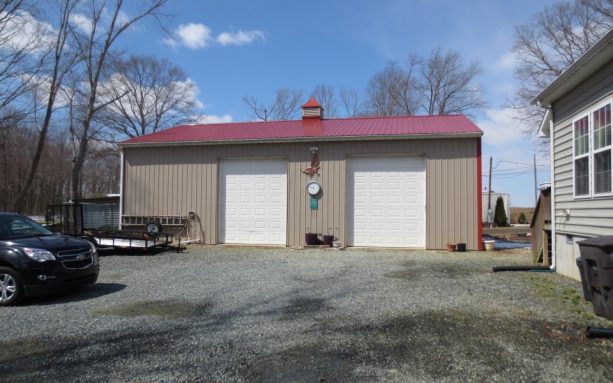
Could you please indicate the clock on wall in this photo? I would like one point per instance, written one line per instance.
(313, 188)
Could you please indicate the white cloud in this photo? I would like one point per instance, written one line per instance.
(212, 119)
(198, 36)
(170, 42)
(123, 18)
(24, 31)
(500, 127)
(507, 60)
(240, 37)
(190, 89)
(85, 24)
(119, 84)
(192, 35)
(82, 22)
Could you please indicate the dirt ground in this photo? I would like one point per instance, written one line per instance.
(220, 313)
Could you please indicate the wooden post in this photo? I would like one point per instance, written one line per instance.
(535, 187)
(489, 196)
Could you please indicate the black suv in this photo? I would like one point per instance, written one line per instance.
(35, 261)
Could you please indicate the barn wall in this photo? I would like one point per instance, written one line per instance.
(174, 180)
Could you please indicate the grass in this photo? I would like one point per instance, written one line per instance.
(568, 298)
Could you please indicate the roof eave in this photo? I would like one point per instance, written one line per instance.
(304, 139)
(594, 58)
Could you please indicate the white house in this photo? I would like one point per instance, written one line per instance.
(578, 123)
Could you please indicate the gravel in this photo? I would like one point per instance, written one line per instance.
(219, 313)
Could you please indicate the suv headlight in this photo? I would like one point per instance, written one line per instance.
(39, 255)
(94, 252)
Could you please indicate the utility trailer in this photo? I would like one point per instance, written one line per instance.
(128, 239)
(69, 219)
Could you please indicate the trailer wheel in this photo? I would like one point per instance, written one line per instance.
(153, 227)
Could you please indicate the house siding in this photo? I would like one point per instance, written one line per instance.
(597, 86)
(588, 216)
(591, 216)
(175, 180)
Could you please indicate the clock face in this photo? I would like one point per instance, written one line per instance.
(313, 188)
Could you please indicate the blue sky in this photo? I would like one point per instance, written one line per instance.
(232, 49)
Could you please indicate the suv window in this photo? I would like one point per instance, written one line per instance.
(15, 226)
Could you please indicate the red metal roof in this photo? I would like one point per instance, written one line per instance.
(312, 103)
(315, 129)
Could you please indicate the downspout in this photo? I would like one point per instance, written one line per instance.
(553, 196)
(120, 186)
(479, 199)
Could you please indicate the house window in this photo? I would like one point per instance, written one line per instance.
(602, 149)
(592, 153)
(581, 130)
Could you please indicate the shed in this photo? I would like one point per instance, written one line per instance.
(409, 181)
(540, 227)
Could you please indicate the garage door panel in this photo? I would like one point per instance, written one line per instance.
(386, 202)
(253, 201)
(393, 199)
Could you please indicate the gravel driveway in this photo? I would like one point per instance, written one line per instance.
(253, 314)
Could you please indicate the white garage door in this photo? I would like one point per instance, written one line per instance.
(386, 202)
(253, 201)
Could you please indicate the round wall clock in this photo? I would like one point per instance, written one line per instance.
(313, 188)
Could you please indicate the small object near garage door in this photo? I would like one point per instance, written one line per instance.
(386, 202)
(253, 201)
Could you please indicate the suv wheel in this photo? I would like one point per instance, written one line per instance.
(10, 286)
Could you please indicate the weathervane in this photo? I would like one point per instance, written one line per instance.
(314, 168)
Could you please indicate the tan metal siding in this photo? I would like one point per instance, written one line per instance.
(178, 179)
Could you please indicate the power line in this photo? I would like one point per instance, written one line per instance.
(511, 174)
(511, 171)
(521, 163)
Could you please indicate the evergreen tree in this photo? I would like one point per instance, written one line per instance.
(500, 216)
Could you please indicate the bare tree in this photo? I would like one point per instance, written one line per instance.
(382, 89)
(18, 141)
(146, 94)
(448, 86)
(394, 90)
(101, 170)
(603, 9)
(439, 84)
(324, 94)
(285, 106)
(106, 23)
(22, 49)
(550, 43)
(405, 91)
(351, 101)
(58, 65)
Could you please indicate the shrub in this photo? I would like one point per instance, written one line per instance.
(500, 216)
(522, 218)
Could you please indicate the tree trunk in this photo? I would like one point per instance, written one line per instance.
(19, 201)
(78, 166)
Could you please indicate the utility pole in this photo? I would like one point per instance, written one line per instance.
(535, 187)
(489, 197)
